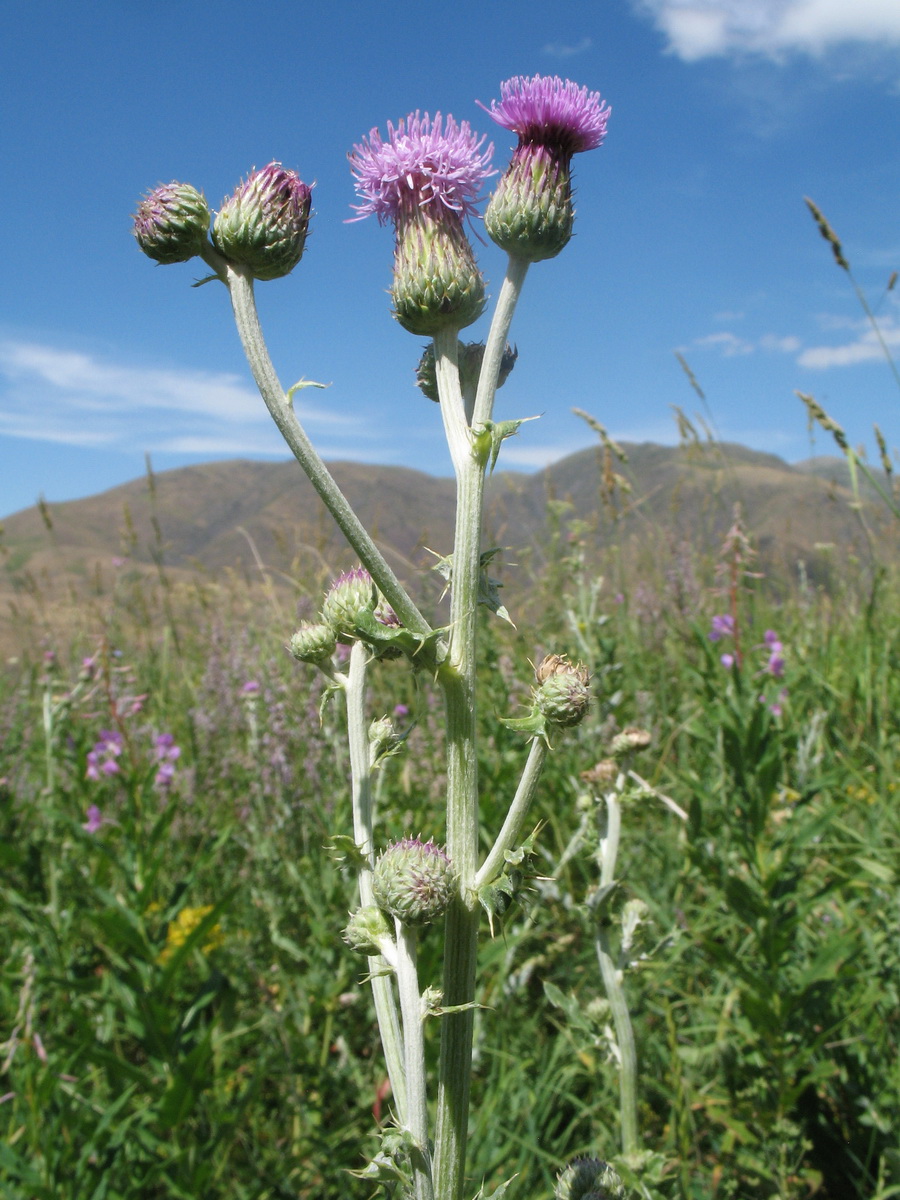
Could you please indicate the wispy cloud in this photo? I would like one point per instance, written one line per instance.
(697, 29)
(864, 348)
(79, 399)
(568, 49)
(730, 345)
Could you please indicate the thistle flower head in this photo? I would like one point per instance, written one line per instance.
(414, 881)
(422, 163)
(589, 1179)
(314, 642)
(171, 223)
(563, 693)
(530, 214)
(351, 594)
(263, 225)
(548, 111)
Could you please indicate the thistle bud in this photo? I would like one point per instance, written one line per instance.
(437, 284)
(589, 1179)
(629, 741)
(563, 694)
(314, 642)
(471, 356)
(351, 595)
(171, 223)
(367, 931)
(531, 214)
(263, 225)
(414, 881)
(603, 772)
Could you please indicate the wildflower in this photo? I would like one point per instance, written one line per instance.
(414, 881)
(426, 178)
(722, 626)
(263, 225)
(103, 758)
(530, 215)
(775, 663)
(727, 661)
(167, 754)
(171, 223)
(94, 820)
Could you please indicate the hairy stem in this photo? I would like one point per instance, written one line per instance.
(612, 982)
(240, 286)
(414, 1052)
(511, 832)
(363, 834)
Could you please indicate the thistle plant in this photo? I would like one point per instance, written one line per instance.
(425, 178)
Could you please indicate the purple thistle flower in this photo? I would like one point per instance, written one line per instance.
(531, 214)
(548, 111)
(171, 223)
(426, 178)
(423, 163)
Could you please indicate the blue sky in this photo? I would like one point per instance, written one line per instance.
(691, 232)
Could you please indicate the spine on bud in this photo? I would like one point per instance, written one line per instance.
(263, 225)
(414, 881)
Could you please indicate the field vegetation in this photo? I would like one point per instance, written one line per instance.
(180, 1017)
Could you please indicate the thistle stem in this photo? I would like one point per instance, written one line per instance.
(510, 290)
(354, 684)
(414, 1052)
(240, 287)
(612, 981)
(458, 681)
(511, 832)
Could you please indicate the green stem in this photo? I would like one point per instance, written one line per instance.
(240, 287)
(612, 981)
(458, 681)
(510, 290)
(511, 832)
(414, 1046)
(363, 834)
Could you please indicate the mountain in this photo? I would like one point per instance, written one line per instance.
(208, 520)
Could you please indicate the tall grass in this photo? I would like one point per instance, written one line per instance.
(179, 1017)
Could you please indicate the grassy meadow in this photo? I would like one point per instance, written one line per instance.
(180, 1017)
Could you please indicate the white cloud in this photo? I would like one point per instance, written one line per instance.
(75, 398)
(865, 348)
(698, 29)
(568, 49)
(731, 346)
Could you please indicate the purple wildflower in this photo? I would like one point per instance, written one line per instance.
(548, 111)
(401, 710)
(94, 820)
(426, 178)
(722, 626)
(727, 661)
(423, 163)
(102, 759)
(167, 754)
(250, 688)
(171, 223)
(530, 215)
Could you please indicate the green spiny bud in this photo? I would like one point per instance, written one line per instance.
(368, 931)
(351, 595)
(263, 225)
(437, 284)
(530, 215)
(314, 642)
(414, 881)
(563, 695)
(589, 1179)
(471, 356)
(171, 223)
